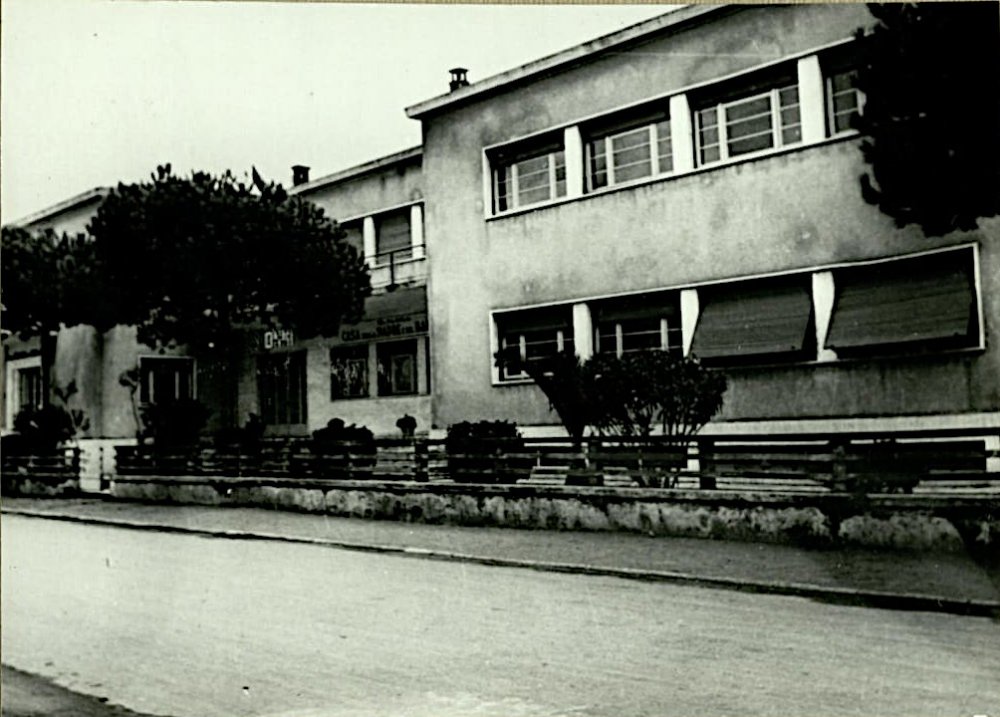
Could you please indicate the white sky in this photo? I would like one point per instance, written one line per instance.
(96, 92)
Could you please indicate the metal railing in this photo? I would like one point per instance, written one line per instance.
(53, 467)
(392, 262)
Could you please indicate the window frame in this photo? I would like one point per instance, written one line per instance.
(665, 329)
(149, 390)
(654, 143)
(36, 400)
(776, 132)
(385, 378)
(384, 257)
(499, 166)
(362, 356)
(830, 102)
(300, 358)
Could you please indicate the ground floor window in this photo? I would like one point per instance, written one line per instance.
(165, 379)
(29, 388)
(533, 335)
(650, 321)
(348, 372)
(923, 304)
(281, 388)
(397, 367)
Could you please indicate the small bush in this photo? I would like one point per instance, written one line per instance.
(176, 423)
(45, 428)
(477, 452)
(344, 449)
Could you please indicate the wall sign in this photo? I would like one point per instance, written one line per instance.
(277, 339)
(385, 327)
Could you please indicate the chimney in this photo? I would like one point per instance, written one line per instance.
(457, 78)
(300, 174)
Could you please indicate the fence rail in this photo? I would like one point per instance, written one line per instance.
(50, 466)
(944, 462)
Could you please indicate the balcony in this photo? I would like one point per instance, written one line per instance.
(398, 267)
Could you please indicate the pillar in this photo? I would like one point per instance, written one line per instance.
(369, 239)
(823, 294)
(417, 231)
(583, 331)
(681, 134)
(812, 106)
(689, 318)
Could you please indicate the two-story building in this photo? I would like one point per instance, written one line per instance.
(691, 183)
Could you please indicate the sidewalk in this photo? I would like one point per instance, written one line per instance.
(943, 582)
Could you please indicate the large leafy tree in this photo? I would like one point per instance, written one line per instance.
(49, 281)
(206, 260)
(932, 115)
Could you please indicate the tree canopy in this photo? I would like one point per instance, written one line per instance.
(932, 112)
(195, 259)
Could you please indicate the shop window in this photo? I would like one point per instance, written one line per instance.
(742, 120)
(637, 324)
(628, 149)
(165, 379)
(397, 367)
(392, 237)
(348, 372)
(913, 305)
(528, 174)
(29, 388)
(281, 388)
(760, 321)
(532, 335)
(843, 101)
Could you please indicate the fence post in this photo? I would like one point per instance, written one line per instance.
(420, 460)
(705, 480)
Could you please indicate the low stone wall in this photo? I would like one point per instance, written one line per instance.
(892, 521)
(28, 486)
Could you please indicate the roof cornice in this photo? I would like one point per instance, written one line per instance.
(403, 157)
(64, 206)
(562, 60)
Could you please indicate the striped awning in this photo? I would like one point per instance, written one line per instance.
(753, 321)
(925, 299)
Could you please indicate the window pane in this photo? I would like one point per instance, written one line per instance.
(748, 109)
(397, 368)
(751, 144)
(348, 372)
(607, 339)
(393, 236)
(503, 177)
(640, 334)
(664, 149)
(560, 161)
(281, 386)
(598, 165)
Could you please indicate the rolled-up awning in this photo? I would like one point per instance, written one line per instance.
(925, 299)
(753, 321)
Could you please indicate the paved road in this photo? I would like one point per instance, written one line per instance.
(182, 625)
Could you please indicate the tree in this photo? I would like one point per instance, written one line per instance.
(49, 281)
(561, 379)
(932, 112)
(204, 260)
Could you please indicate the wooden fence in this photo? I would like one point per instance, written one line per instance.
(941, 462)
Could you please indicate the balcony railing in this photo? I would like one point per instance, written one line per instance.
(398, 266)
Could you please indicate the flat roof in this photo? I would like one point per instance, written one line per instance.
(406, 155)
(562, 60)
(64, 206)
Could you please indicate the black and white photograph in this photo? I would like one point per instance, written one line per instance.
(499, 360)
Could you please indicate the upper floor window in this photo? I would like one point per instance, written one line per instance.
(392, 236)
(528, 174)
(844, 101)
(164, 379)
(625, 151)
(748, 123)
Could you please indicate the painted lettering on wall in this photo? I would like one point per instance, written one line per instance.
(277, 339)
(386, 327)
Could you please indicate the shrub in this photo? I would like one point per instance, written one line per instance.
(477, 452)
(175, 423)
(343, 450)
(46, 427)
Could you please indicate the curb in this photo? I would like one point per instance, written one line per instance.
(832, 595)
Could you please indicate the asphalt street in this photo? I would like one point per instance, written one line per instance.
(179, 625)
